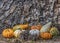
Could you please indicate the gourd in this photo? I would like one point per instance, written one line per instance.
(8, 33)
(17, 27)
(46, 27)
(17, 33)
(34, 32)
(21, 27)
(54, 31)
(46, 35)
(24, 26)
(38, 27)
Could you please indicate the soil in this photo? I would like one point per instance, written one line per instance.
(17, 40)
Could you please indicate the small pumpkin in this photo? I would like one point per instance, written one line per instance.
(8, 33)
(38, 27)
(46, 27)
(34, 32)
(17, 33)
(46, 35)
(33, 27)
(54, 31)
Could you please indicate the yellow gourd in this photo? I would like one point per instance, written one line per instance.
(54, 31)
(17, 27)
(21, 27)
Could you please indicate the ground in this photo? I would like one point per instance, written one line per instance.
(17, 40)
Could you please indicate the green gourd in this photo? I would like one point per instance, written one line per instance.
(46, 27)
(54, 31)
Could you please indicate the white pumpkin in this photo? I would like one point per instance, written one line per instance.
(46, 27)
(34, 32)
(17, 33)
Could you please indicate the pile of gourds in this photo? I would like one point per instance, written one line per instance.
(44, 32)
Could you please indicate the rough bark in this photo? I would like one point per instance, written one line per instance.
(34, 12)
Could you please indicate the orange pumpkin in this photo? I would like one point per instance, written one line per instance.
(33, 27)
(46, 35)
(38, 27)
(8, 33)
